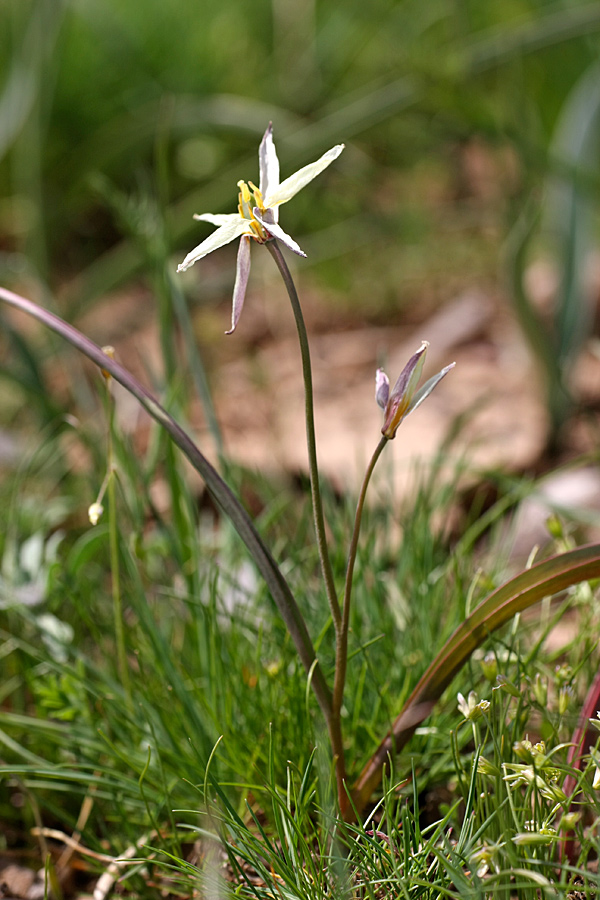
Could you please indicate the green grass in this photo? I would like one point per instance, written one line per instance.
(219, 740)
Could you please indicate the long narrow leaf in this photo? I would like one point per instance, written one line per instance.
(542, 580)
(220, 492)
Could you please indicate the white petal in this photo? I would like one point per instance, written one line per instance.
(224, 235)
(219, 219)
(277, 232)
(290, 186)
(268, 162)
(427, 388)
(242, 272)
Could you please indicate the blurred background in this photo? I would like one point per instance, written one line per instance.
(464, 209)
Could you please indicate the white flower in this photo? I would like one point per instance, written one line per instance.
(257, 216)
(470, 708)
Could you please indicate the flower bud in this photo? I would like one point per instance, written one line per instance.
(404, 397)
(94, 513)
(540, 690)
(523, 750)
(535, 838)
(569, 821)
(489, 667)
(485, 767)
(565, 696)
(504, 684)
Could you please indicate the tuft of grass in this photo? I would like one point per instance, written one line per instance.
(217, 691)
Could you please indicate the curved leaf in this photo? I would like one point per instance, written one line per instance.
(219, 490)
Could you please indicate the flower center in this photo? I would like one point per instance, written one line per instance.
(249, 197)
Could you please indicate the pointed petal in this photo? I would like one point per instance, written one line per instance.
(290, 186)
(223, 235)
(277, 232)
(403, 391)
(268, 163)
(409, 377)
(427, 388)
(382, 388)
(219, 219)
(242, 272)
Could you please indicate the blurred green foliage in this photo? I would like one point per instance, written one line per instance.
(454, 113)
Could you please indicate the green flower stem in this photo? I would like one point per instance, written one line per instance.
(341, 650)
(317, 503)
(113, 538)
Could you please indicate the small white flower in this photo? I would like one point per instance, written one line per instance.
(470, 708)
(94, 513)
(257, 216)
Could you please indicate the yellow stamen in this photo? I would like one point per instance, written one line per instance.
(258, 197)
(244, 192)
(244, 205)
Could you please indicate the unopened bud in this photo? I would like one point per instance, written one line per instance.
(565, 696)
(489, 667)
(569, 821)
(504, 684)
(535, 838)
(485, 767)
(94, 513)
(540, 689)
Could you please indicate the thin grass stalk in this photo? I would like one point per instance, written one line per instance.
(317, 502)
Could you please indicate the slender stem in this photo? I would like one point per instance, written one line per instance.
(317, 503)
(114, 555)
(341, 650)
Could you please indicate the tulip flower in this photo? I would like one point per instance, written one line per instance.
(257, 216)
(404, 397)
